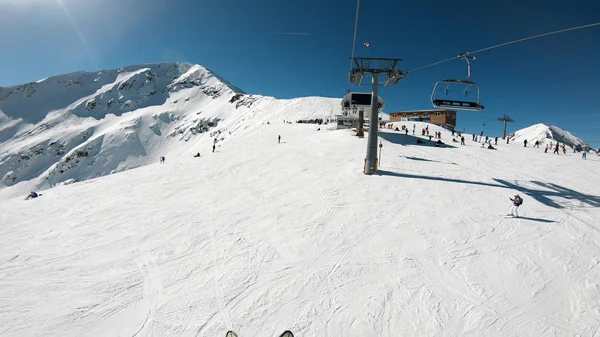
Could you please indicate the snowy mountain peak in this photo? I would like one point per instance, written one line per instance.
(544, 133)
(88, 124)
(116, 91)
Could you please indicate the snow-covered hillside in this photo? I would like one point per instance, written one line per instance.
(544, 134)
(85, 125)
(260, 237)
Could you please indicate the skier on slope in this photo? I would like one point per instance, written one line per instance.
(516, 202)
(32, 195)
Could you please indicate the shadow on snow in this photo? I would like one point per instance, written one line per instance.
(542, 195)
(427, 160)
(536, 219)
(402, 139)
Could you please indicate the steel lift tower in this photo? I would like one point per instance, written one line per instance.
(505, 119)
(374, 67)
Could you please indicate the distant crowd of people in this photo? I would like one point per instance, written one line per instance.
(312, 121)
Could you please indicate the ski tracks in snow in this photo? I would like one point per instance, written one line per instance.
(151, 294)
(217, 267)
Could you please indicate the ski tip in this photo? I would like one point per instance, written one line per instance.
(286, 333)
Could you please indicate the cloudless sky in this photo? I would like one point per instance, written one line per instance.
(291, 49)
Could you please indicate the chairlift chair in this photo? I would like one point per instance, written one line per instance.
(465, 85)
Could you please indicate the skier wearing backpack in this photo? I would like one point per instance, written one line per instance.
(517, 201)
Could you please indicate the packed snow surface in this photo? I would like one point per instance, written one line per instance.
(261, 236)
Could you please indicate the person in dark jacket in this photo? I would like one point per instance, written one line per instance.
(32, 195)
(516, 202)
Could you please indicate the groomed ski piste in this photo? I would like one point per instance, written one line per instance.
(261, 237)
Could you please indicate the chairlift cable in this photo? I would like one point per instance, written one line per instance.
(508, 43)
(535, 37)
(433, 64)
(355, 30)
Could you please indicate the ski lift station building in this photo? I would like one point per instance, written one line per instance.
(354, 103)
(444, 118)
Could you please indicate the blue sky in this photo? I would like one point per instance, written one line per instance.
(551, 80)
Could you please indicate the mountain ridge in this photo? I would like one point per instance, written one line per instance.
(84, 125)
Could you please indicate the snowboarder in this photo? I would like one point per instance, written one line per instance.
(537, 144)
(516, 202)
(546, 150)
(32, 195)
(279, 139)
(584, 154)
(556, 148)
(162, 160)
(197, 155)
(462, 140)
(525, 143)
(214, 147)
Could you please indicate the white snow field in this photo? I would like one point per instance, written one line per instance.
(260, 237)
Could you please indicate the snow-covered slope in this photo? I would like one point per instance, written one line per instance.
(544, 134)
(260, 237)
(85, 125)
